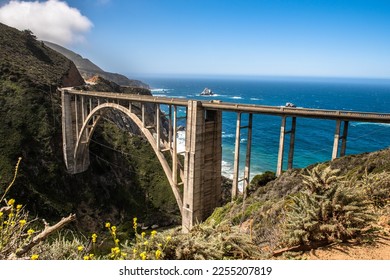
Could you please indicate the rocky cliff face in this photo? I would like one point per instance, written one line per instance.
(72, 78)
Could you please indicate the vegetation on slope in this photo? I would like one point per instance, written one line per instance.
(88, 69)
(302, 209)
(116, 186)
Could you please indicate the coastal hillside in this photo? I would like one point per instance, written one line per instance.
(309, 213)
(119, 184)
(88, 69)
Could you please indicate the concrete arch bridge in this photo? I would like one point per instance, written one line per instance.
(196, 184)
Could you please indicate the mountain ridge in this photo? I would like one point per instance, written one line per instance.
(88, 69)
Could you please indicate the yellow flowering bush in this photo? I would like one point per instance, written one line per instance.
(148, 247)
(14, 224)
(144, 247)
(15, 229)
(18, 239)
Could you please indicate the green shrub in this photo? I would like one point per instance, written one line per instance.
(328, 210)
(262, 179)
(377, 187)
(205, 242)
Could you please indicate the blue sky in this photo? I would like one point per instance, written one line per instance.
(215, 37)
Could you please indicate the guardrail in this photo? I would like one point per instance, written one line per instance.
(248, 108)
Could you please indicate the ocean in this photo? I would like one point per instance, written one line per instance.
(314, 137)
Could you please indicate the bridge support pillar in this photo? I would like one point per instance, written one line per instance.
(72, 112)
(236, 166)
(283, 133)
(337, 139)
(202, 166)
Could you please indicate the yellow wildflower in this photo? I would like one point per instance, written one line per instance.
(135, 223)
(10, 215)
(169, 238)
(143, 256)
(34, 257)
(30, 232)
(94, 236)
(113, 229)
(18, 207)
(116, 242)
(1, 214)
(108, 225)
(158, 254)
(159, 245)
(22, 222)
(91, 256)
(146, 243)
(143, 234)
(86, 258)
(153, 233)
(80, 248)
(115, 250)
(11, 202)
(135, 251)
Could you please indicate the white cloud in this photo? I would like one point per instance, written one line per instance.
(52, 20)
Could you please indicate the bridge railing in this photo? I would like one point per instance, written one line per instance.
(249, 108)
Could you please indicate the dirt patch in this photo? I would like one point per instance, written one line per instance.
(377, 250)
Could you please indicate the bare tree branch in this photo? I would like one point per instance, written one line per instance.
(44, 234)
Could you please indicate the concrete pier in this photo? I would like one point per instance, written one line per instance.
(283, 133)
(202, 166)
(337, 139)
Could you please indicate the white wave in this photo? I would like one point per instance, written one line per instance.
(256, 99)
(160, 90)
(366, 123)
(236, 97)
(181, 141)
(227, 169)
(224, 135)
(243, 140)
(160, 95)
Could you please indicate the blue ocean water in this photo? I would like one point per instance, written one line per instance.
(314, 137)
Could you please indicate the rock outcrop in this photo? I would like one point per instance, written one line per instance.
(72, 77)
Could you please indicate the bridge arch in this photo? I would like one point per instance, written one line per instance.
(201, 172)
(87, 130)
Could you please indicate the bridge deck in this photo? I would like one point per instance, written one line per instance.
(248, 108)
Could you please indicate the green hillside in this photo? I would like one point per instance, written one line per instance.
(117, 186)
